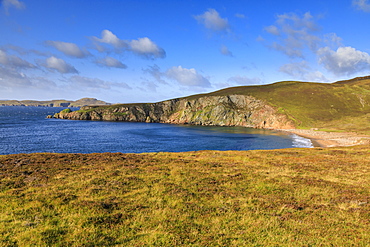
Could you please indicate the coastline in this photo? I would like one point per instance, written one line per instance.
(330, 139)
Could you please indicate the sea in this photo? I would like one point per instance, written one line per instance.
(25, 129)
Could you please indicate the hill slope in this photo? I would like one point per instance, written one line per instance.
(342, 105)
(313, 104)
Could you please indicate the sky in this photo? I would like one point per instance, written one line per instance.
(126, 51)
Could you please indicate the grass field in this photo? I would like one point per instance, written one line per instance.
(290, 197)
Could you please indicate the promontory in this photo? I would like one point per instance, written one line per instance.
(339, 106)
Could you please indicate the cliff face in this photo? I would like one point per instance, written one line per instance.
(232, 110)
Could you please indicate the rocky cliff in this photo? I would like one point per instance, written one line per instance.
(231, 110)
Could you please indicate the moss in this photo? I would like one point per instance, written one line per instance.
(66, 110)
(120, 113)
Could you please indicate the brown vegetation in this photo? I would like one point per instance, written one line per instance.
(290, 197)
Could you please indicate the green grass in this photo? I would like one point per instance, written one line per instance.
(120, 113)
(67, 110)
(291, 197)
(311, 104)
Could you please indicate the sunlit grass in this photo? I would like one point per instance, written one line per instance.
(291, 197)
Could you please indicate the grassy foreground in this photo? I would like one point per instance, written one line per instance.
(290, 197)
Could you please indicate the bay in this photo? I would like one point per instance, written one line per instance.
(27, 130)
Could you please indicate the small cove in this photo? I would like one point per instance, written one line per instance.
(26, 130)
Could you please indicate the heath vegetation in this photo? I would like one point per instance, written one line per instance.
(290, 197)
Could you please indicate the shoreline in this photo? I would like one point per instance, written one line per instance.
(330, 139)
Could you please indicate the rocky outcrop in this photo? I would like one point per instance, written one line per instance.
(232, 110)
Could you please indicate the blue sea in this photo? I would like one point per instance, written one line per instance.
(27, 130)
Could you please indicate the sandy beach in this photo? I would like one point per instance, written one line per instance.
(331, 139)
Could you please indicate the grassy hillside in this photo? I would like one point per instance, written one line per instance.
(343, 106)
(291, 197)
(316, 104)
(87, 101)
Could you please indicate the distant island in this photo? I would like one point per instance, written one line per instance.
(54, 103)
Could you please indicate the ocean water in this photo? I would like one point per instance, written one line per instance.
(27, 130)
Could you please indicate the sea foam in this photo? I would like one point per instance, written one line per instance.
(301, 142)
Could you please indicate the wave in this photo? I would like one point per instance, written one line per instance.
(301, 142)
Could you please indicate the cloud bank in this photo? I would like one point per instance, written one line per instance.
(14, 61)
(298, 36)
(344, 61)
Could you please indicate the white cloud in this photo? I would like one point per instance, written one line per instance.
(14, 61)
(142, 46)
(69, 49)
(344, 61)
(187, 77)
(294, 34)
(12, 3)
(212, 20)
(225, 51)
(147, 48)
(243, 80)
(59, 65)
(86, 82)
(301, 70)
(111, 63)
(363, 5)
(109, 38)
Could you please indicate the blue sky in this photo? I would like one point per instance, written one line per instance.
(125, 51)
